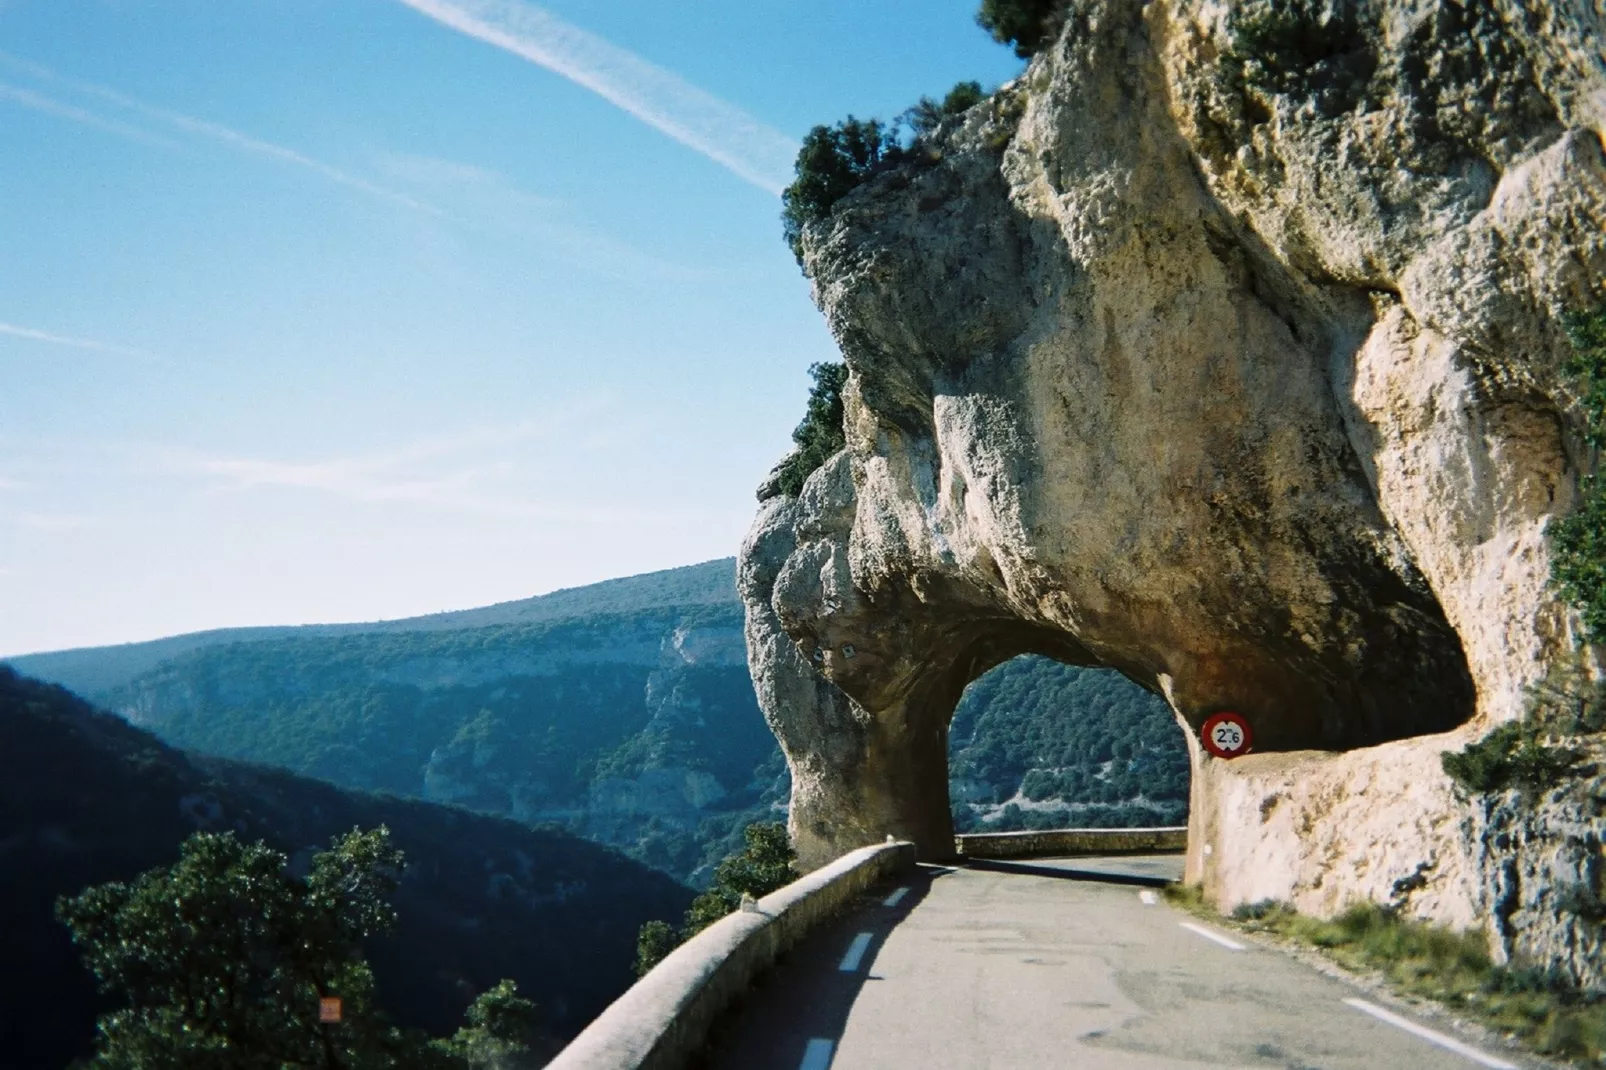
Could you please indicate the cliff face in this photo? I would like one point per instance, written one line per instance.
(1221, 349)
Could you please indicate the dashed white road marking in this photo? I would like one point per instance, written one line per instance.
(1230, 945)
(1432, 1037)
(817, 1056)
(895, 898)
(1148, 897)
(861, 944)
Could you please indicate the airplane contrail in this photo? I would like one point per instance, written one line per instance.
(35, 335)
(187, 123)
(704, 123)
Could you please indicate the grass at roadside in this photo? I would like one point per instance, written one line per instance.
(1430, 962)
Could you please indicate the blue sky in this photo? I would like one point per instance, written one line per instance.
(319, 310)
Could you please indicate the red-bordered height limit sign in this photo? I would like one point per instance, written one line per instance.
(1226, 734)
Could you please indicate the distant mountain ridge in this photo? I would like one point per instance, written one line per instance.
(94, 670)
(623, 711)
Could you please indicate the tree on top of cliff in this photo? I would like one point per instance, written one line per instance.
(928, 113)
(831, 163)
(1029, 25)
(820, 435)
(835, 160)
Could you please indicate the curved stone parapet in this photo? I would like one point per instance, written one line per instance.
(661, 1021)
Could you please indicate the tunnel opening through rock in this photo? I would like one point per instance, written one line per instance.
(1036, 743)
(1401, 674)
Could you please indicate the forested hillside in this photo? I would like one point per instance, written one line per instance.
(625, 717)
(1038, 744)
(86, 798)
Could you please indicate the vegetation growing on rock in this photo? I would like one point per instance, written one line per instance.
(1533, 754)
(1028, 25)
(1579, 540)
(836, 160)
(819, 436)
(832, 163)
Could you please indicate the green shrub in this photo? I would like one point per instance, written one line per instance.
(767, 864)
(1028, 25)
(654, 943)
(1512, 756)
(929, 113)
(224, 957)
(1529, 754)
(819, 436)
(1578, 542)
(833, 161)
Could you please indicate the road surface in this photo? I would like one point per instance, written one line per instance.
(1060, 963)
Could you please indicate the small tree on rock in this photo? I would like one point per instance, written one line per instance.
(1029, 25)
(831, 163)
(819, 435)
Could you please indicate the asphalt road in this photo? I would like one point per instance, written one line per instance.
(1058, 963)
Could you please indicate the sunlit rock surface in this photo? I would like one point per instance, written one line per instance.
(1222, 351)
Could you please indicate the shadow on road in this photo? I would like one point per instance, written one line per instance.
(794, 1015)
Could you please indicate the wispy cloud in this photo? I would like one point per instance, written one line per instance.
(51, 106)
(189, 124)
(490, 201)
(51, 338)
(478, 472)
(663, 100)
(11, 484)
(477, 196)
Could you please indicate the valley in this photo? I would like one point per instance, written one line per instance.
(622, 712)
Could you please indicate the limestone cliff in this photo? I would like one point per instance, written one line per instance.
(1222, 348)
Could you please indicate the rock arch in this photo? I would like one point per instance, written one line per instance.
(1247, 393)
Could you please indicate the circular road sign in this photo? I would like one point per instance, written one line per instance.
(1226, 735)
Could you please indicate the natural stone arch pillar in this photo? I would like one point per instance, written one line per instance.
(859, 687)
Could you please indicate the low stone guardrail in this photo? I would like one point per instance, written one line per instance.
(1071, 842)
(661, 1021)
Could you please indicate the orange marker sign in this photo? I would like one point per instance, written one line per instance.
(329, 1009)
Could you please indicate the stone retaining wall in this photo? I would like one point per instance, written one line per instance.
(661, 1021)
(1070, 842)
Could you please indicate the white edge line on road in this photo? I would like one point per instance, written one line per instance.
(895, 898)
(1148, 897)
(1431, 1036)
(1230, 945)
(817, 1056)
(856, 950)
